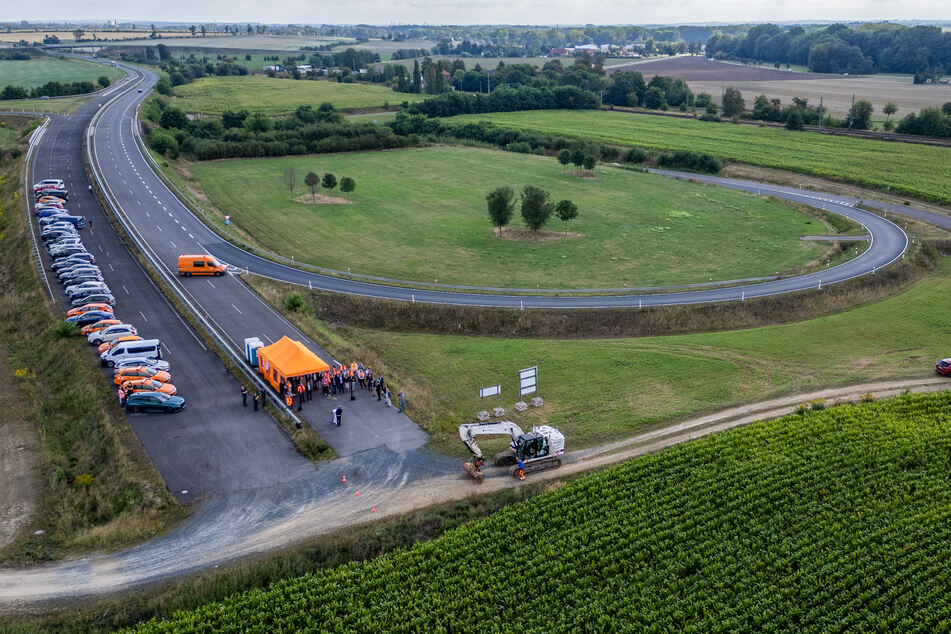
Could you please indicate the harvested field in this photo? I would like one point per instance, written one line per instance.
(698, 68)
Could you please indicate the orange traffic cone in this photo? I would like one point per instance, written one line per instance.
(373, 510)
(358, 494)
(344, 479)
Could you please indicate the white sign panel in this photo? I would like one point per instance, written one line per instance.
(528, 381)
(490, 391)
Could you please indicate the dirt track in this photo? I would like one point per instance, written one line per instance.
(390, 483)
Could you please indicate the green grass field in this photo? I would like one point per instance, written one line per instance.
(8, 138)
(66, 105)
(420, 214)
(604, 389)
(36, 72)
(276, 96)
(917, 170)
(831, 521)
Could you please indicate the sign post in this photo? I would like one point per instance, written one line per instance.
(492, 390)
(528, 384)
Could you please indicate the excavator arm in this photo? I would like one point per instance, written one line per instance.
(468, 433)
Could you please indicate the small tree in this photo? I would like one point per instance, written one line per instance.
(564, 157)
(577, 158)
(733, 104)
(590, 162)
(312, 181)
(501, 202)
(566, 210)
(794, 120)
(347, 185)
(290, 178)
(329, 181)
(860, 115)
(536, 208)
(889, 109)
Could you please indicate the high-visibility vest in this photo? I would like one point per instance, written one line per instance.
(289, 400)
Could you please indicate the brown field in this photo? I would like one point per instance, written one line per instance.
(246, 42)
(837, 91)
(37, 36)
(386, 47)
(698, 68)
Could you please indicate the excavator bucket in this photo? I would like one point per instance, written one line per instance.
(473, 470)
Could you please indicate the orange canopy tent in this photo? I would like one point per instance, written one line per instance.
(288, 358)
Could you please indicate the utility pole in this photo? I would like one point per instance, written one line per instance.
(820, 113)
(851, 110)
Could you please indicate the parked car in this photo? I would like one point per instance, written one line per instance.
(51, 234)
(86, 288)
(67, 250)
(85, 308)
(99, 325)
(50, 200)
(103, 298)
(49, 182)
(154, 402)
(141, 372)
(64, 219)
(51, 219)
(46, 212)
(131, 362)
(110, 333)
(944, 367)
(63, 244)
(91, 317)
(109, 345)
(77, 269)
(149, 385)
(54, 192)
(72, 260)
(82, 278)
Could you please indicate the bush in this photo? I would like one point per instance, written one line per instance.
(519, 146)
(294, 302)
(65, 330)
(694, 161)
(710, 116)
(164, 142)
(635, 155)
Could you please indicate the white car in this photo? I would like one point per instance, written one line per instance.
(112, 332)
(79, 269)
(86, 287)
(133, 362)
(49, 182)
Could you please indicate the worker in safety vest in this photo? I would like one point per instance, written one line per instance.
(521, 470)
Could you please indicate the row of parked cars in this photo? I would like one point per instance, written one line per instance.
(138, 366)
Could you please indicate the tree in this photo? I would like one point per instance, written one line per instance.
(163, 53)
(860, 115)
(290, 178)
(501, 202)
(103, 81)
(946, 108)
(590, 162)
(249, 30)
(566, 210)
(329, 181)
(794, 120)
(347, 185)
(733, 104)
(577, 158)
(536, 208)
(312, 181)
(889, 109)
(192, 28)
(173, 118)
(564, 157)
(204, 31)
(78, 34)
(153, 33)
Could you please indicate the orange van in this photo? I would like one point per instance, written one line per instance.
(199, 265)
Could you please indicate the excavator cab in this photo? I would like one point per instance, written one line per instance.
(531, 445)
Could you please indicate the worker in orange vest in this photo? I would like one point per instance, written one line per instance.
(289, 400)
(300, 396)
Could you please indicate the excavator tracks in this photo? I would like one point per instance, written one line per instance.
(537, 465)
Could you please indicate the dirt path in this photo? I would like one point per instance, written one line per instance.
(252, 522)
(20, 459)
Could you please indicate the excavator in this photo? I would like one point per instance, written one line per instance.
(538, 449)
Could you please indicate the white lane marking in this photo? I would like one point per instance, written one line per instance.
(173, 244)
(166, 348)
(169, 214)
(183, 227)
(126, 290)
(148, 214)
(164, 207)
(268, 338)
(159, 228)
(236, 308)
(176, 220)
(143, 316)
(191, 236)
(100, 248)
(110, 267)
(212, 285)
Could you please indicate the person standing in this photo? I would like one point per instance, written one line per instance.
(263, 397)
(387, 397)
(244, 396)
(352, 395)
(338, 415)
(521, 470)
(379, 389)
(300, 396)
(121, 393)
(402, 402)
(256, 400)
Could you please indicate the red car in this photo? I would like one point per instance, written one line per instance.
(944, 367)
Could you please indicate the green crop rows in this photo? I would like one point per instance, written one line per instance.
(917, 170)
(834, 520)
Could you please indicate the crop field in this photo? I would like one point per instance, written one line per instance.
(420, 214)
(275, 96)
(276, 43)
(598, 390)
(102, 34)
(36, 72)
(916, 170)
(836, 520)
(694, 67)
(387, 47)
(836, 92)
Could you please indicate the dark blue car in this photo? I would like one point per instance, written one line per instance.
(154, 402)
(89, 317)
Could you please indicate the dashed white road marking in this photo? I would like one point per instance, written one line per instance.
(143, 316)
(236, 308)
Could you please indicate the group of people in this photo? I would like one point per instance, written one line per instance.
(330, 383)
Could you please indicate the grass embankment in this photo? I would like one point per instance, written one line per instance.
(597, 390)
(66, 105)
(830, 520)
(36, 72)
(420, 214)
(275, 96)
(99, 489)
(914, 169)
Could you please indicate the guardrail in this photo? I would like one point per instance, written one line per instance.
(203, 319)
(28, 201)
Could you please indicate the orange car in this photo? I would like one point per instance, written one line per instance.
(85, 308)
(109, 345)
(141, 372)
(149, 385)
(99, 325)
(49, 199)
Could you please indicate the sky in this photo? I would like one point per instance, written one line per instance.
(554, 12)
